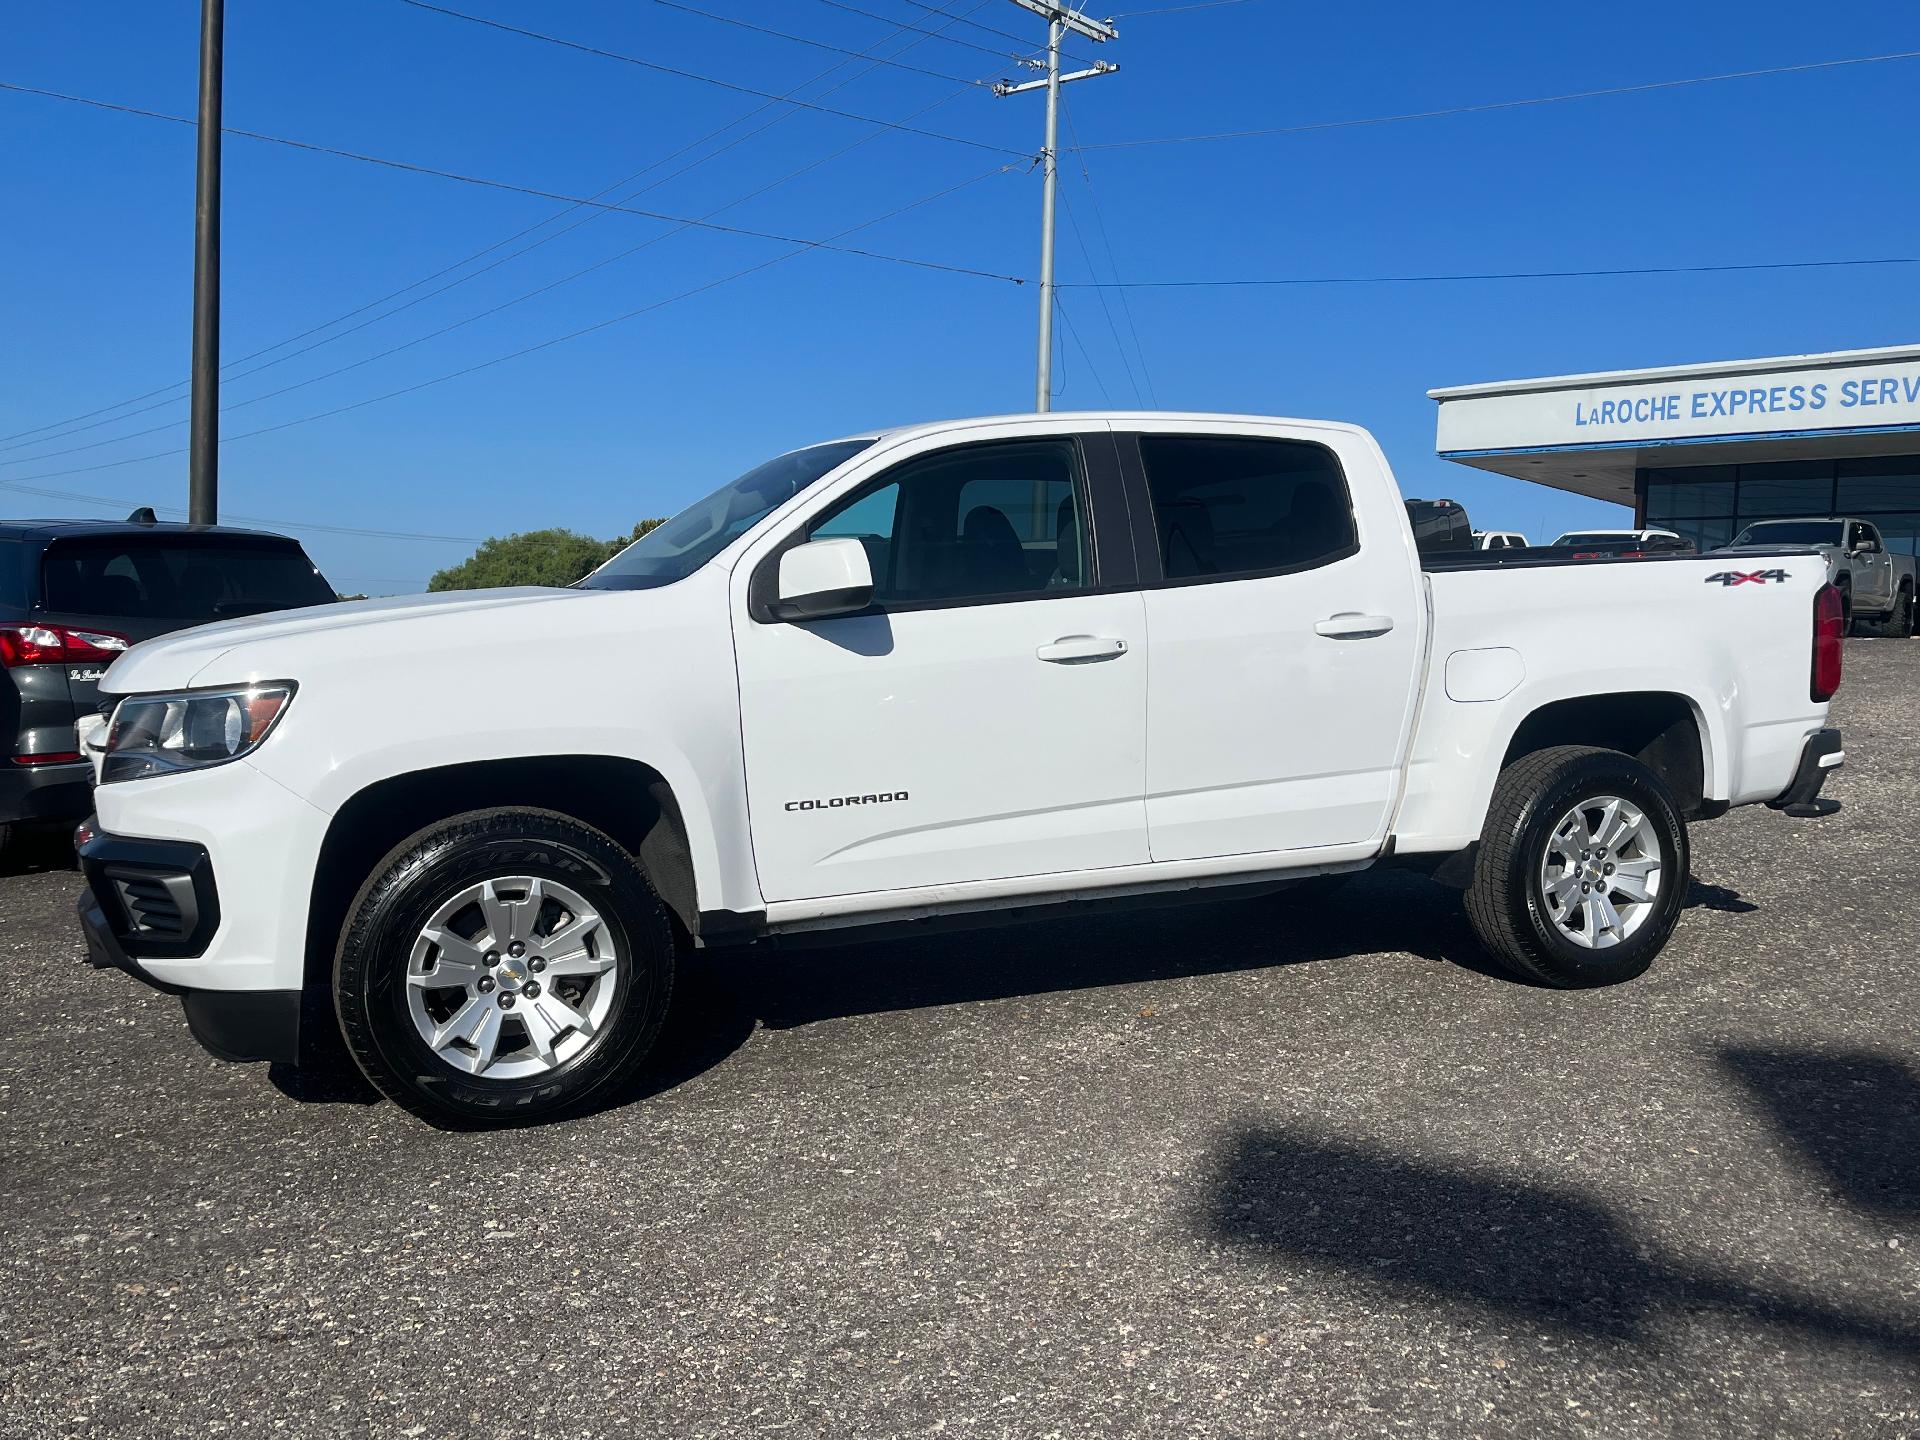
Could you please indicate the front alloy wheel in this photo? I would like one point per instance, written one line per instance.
(512, 977)
(502, 967)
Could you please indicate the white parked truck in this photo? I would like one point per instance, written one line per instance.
(954, 672)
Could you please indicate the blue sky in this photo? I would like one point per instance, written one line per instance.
(638, 417)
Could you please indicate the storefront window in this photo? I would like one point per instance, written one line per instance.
(1882, 482)
(1901, 532)
(1702, 492)
(1789, 487)
(1711, 503)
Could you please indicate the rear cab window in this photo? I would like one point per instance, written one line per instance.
(1231, 506)
(194, 579)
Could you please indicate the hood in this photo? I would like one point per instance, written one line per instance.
(173, 661)
(1777, 549)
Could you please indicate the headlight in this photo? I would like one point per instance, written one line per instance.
(190, 729)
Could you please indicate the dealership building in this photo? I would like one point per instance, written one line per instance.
(1707, 449)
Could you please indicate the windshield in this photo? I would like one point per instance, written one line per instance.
(1791, 532)
(690, 539)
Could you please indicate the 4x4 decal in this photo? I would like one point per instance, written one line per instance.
(1745, 577)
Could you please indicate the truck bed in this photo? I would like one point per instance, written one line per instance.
(1538, 556)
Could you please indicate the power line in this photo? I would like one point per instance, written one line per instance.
(482, 314)
(674, 70)
(1483, 275)
(468, 319)
(1019, 40)
(1059, 303)
(1017, 57)
(1113, 266)
(1175, 9)
(801, 248)
(114, 503)
(1505, 104)
(411, 168)
(1126, 362)
(20, 437)
(816, 44)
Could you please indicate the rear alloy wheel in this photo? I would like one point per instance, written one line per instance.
(1602, 872)
(503, 967)
(1581, 870)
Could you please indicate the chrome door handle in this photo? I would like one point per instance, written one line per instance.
(1069, 648)
(1348, 625)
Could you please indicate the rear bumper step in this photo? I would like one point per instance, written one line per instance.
(1819, 757)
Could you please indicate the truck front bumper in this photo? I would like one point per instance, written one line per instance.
(188, 891)
(1822, 754)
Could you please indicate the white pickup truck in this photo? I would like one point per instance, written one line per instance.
(965, 670)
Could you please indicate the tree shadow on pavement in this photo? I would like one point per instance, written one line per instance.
(1854, 1116)
(1550, 1259)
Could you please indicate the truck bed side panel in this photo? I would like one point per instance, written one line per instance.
(1509, 640)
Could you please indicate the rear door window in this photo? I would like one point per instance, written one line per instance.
(1227, 506)
(192, 580)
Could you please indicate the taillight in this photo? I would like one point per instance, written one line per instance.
(1829, 628)
(58, 645)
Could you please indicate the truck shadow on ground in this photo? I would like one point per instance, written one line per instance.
(1517, 1252)
(721, 996)
(1388, 912)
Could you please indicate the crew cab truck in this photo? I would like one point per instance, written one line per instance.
(1876, 586)
(989, 666)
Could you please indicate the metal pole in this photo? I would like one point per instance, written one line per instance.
(1043, 399)
(203, 458)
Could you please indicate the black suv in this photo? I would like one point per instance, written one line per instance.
(75, 593)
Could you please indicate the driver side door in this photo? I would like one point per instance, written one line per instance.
(985, 718)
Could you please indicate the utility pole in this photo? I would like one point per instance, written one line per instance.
(1060, 19)
(203, 440)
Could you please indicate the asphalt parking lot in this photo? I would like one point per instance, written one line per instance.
(1259, 1168)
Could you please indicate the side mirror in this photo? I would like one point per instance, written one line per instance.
(1867, 547)
(824, 578)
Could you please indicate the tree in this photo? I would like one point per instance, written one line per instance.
(537, 557)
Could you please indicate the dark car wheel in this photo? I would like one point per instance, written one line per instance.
(1582, 867)
(503, 967)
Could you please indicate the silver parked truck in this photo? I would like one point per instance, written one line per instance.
(1876, 586)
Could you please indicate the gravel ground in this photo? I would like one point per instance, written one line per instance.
(1260, 1168)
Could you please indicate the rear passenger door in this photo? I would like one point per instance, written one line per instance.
(1286, 616)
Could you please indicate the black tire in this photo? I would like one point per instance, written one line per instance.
(424, 872)
(1898, 624)
(1506, 903)
(1896, 621)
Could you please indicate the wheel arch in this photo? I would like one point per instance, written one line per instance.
(1663, 729)
(630, 801)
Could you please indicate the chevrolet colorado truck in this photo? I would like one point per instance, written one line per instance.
(1876, 586)
(961, 671)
